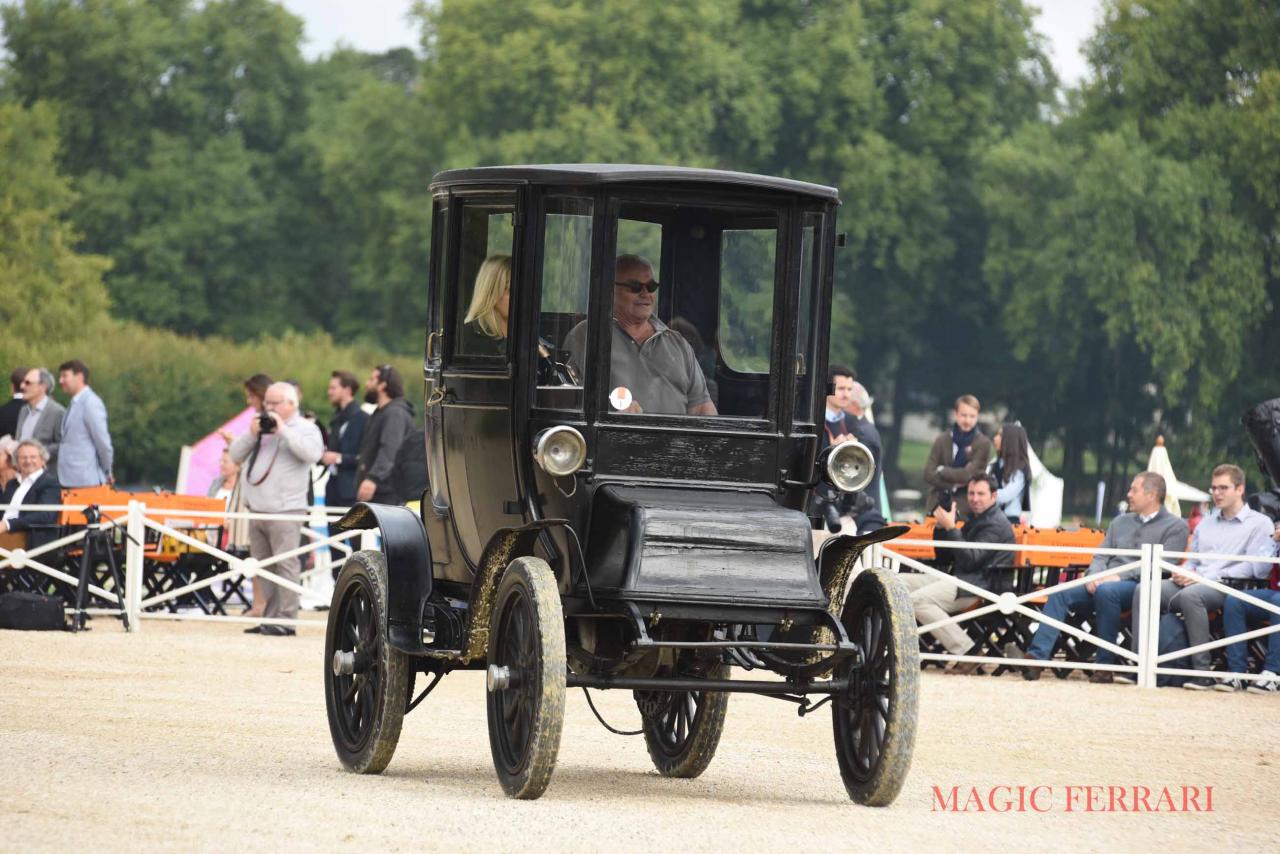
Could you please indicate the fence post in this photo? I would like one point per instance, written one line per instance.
(1149, 628)
(133, 564)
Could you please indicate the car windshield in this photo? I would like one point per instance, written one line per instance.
(692, 308)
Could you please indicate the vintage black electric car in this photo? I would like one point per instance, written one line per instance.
(617, 510)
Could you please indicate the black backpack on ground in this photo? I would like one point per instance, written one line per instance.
(31, 611)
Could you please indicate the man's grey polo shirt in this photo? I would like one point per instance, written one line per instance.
(662, 374)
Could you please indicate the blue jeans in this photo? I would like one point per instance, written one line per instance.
(1235, 612)
(1105, 605)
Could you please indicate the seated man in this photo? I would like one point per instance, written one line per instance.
(34, 485)
(1146, 522)
(935, 599)
(653, 363)
(1235, 614)
(1233, 528)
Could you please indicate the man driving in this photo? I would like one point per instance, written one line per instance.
(651, 367)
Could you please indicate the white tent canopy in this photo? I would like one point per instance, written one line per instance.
(1046, 494)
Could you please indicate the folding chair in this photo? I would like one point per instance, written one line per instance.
(1047, 569)
(169, 563)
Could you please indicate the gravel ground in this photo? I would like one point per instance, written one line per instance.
(198, 737)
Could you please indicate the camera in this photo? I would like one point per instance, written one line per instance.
(947, 500)
(266, 424)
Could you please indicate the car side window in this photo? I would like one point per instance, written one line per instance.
(562, 312)
(483, 287)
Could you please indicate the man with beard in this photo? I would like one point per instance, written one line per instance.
(345, 432)
(654, 364)
(383, 436)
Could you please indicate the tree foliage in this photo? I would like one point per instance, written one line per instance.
(47, 288)
(1103, 263)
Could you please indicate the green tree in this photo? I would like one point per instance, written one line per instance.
(895, 102)
(47, 289)
(1197, 86)
(181, 126)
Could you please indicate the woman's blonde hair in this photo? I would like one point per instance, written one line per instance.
(493, 280)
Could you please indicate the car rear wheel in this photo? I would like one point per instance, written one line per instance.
(527, 678)
(682, 728)
(366, 681)
(874, 721)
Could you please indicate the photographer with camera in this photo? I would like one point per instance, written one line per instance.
(833, 507)
(935, 599)
(280, 448)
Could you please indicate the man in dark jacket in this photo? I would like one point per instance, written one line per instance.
(35, 484)
(956, 456)
(345, 432)
(11, 407)
(839, 426)
(383, 436)
(936, 599)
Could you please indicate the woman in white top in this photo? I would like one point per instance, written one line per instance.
(1012, 468)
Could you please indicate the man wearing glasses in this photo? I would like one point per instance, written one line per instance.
(41, 418)
(1232, 528)
(652, 368)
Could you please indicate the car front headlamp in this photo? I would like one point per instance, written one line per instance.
(849, 466)
(559, 451)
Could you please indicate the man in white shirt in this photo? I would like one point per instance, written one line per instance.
(34, 485)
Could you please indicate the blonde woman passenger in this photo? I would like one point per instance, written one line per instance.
(485, 329)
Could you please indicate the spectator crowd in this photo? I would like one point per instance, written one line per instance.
(376, 454)
(979, 488)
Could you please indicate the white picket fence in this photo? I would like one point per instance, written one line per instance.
(138, 519)
(1150, 561)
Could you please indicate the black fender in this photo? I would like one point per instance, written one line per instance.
(837, 556)
(409, 579)
(504, 546)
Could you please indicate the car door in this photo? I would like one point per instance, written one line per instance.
(475, 374)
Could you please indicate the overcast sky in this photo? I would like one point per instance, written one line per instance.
(377, 25)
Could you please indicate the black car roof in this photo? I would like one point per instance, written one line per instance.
(619, 173)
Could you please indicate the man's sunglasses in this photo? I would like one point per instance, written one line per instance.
(636, 286)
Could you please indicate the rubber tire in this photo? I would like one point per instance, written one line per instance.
(897, 675)
(529, 583)
(367, 569)
(700, 744)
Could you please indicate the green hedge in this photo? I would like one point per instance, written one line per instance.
(165, 390)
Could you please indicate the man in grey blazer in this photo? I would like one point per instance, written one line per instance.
(86, 453)
(41, 418)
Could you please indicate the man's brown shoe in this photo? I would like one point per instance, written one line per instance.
(1101, 677)
(964, 668)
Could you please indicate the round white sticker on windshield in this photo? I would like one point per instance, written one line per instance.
(620, 398)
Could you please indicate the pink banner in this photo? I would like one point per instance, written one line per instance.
(202, 468)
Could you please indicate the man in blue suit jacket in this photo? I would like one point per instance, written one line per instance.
(84, 458)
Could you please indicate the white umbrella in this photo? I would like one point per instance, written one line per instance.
(1174, 489)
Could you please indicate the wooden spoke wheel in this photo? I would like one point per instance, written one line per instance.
(366, 698)
(875, 720)
(682, 728)
(526, 644)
